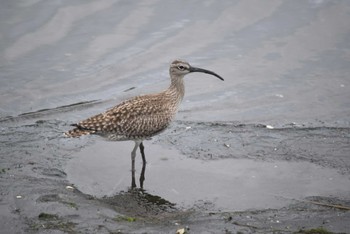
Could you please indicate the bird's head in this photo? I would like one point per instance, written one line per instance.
(181, 68)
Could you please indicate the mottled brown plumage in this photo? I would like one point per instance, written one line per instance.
(135, 119)
(141, 117)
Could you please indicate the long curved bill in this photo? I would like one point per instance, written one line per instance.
(197, 69)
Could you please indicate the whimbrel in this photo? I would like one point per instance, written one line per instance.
(141, 117)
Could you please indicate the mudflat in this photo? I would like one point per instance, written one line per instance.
(265, 151)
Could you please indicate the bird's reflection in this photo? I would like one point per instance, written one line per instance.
(136, 200)
(143, 170)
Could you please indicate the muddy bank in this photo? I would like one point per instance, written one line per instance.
(38, 194)
(323, 145)
(285, 64)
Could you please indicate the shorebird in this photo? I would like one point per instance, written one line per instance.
(140, 117)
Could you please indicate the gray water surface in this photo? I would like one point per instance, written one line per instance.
(226, 185)
(285, 64)
(283, 61)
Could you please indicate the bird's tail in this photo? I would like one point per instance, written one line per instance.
(77, 132)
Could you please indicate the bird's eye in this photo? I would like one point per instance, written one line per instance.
(180, 67)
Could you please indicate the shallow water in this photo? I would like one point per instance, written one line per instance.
(227, 185)
(283, 61)
(285, 64)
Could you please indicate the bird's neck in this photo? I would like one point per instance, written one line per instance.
(177, 89)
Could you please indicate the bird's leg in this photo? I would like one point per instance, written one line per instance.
(133, 156)
(142, 176)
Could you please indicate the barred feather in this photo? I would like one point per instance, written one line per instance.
(140, 117)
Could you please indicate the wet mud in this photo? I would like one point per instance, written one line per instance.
(265, 151)
(225, 177)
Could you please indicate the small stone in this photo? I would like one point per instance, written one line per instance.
(269, 127)
(181, 231)
(69, 187)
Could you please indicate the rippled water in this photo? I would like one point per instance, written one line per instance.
(285, 64)
(283, 61)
